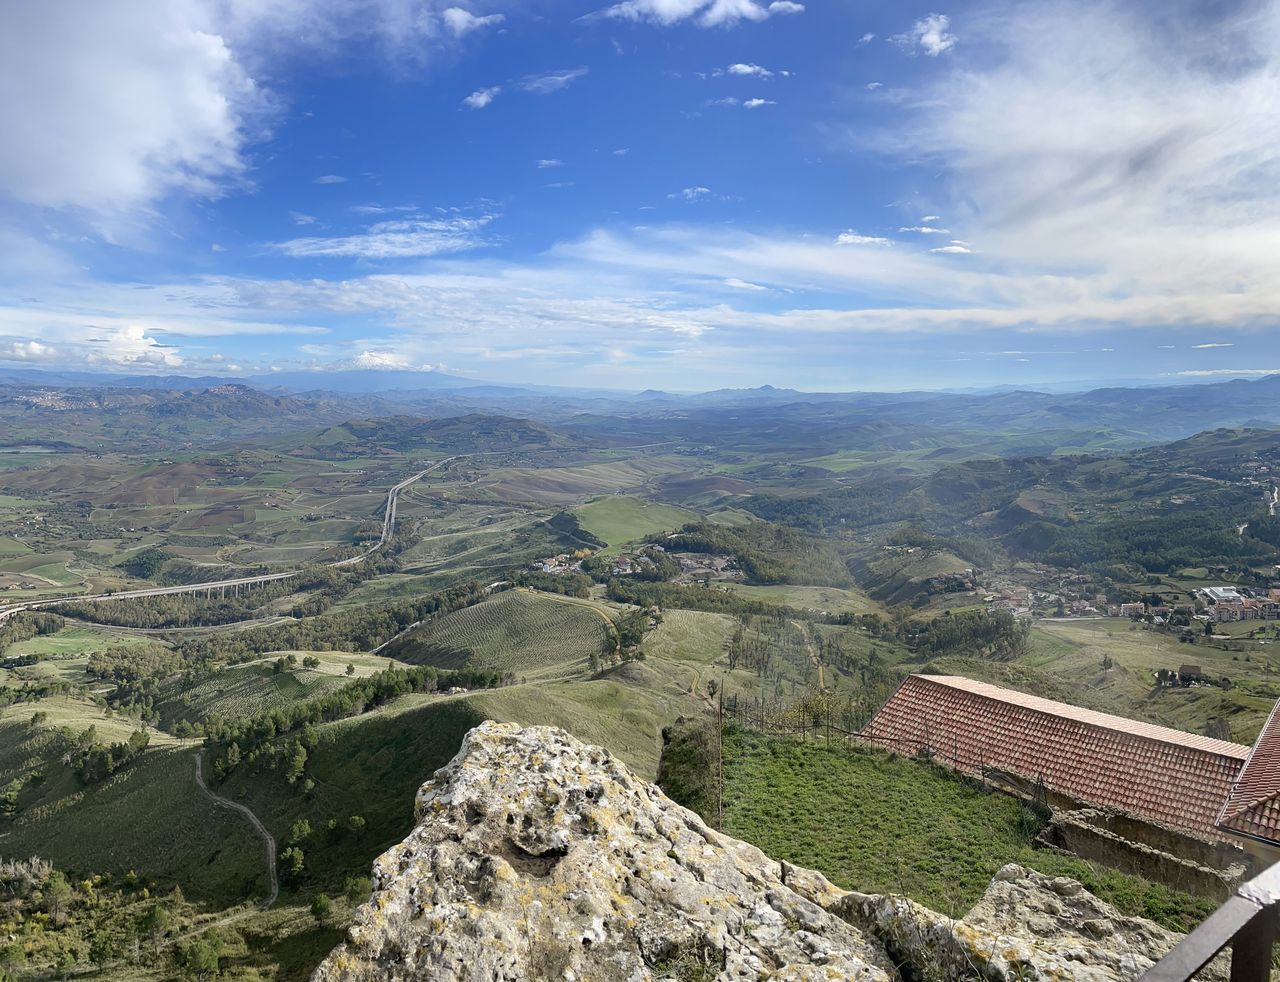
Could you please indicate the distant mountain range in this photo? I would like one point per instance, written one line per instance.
(1007, 422)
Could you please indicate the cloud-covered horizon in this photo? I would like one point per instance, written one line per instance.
(1118, 181)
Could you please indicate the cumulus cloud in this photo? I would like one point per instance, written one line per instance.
(757, 103)
(690, 194)
(872, 86)
(395, 240)
(707, 13)
(462, 22)
(482, 97)
(73, 140)
(742, 68)
(104, 347)
(123, 106)
(551, 81)
(850, 237)
(930, 34)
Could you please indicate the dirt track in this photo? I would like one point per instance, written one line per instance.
(261, 829)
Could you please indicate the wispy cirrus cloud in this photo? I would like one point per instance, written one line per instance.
(395, 240)
(462, 22)
(707, 13)
(548, 82)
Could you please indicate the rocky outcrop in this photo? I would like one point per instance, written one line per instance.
(1026, 926)
(536, 856)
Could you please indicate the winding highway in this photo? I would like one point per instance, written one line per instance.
(388, 527)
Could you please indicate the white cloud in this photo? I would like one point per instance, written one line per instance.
(738, 284)
(481, 97)
(954, 247)
(1214, 344)
(395, 240)
(382, 361)
(622, 151)
(1240, 372)
(866, 39)
(931, 34)
(462, 22)
(757, 103)
(728, 100)
(549, 162)
(925, 230)
(872, 86)
(708, 13)
(330, 179)
(691, 194)
(741, 68)
(104, 347)
(110, 108)
(930, 218)
(1131, 164)
(217, 247)
(551, 81)
(850, 237)
(300, 218)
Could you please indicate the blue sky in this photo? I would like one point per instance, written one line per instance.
(679, 194)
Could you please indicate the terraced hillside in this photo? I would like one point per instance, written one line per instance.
(519, 631)
(234, 693)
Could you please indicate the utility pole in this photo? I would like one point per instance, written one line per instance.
(720, 758)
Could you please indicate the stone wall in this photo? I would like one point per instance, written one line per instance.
(1087, 833)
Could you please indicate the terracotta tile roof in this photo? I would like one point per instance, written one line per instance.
(1253, 807)
(1153, 772)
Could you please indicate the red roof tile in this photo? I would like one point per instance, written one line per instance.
(1253, 807)
(1153, 772)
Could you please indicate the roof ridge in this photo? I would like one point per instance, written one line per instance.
(1225, 814)
(1138, 729)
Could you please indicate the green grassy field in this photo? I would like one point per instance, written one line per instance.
(689, 636)
(74, 640)
(619, 519)
(245, 690)
(519, 631)
(832, 599)
(1068, 655)
(885, 824)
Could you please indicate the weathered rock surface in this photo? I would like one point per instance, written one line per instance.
(536, 856)
(1026, 926)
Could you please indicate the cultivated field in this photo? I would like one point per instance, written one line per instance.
(618, 519)
(518, 631)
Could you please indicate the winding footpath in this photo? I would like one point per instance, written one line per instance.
(261, 829)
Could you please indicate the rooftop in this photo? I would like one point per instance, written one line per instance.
(1253, 807)
(1154, 772)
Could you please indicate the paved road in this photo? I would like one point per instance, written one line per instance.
(388, 528)
(261, 829)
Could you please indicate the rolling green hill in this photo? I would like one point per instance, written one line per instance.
(518, 631)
